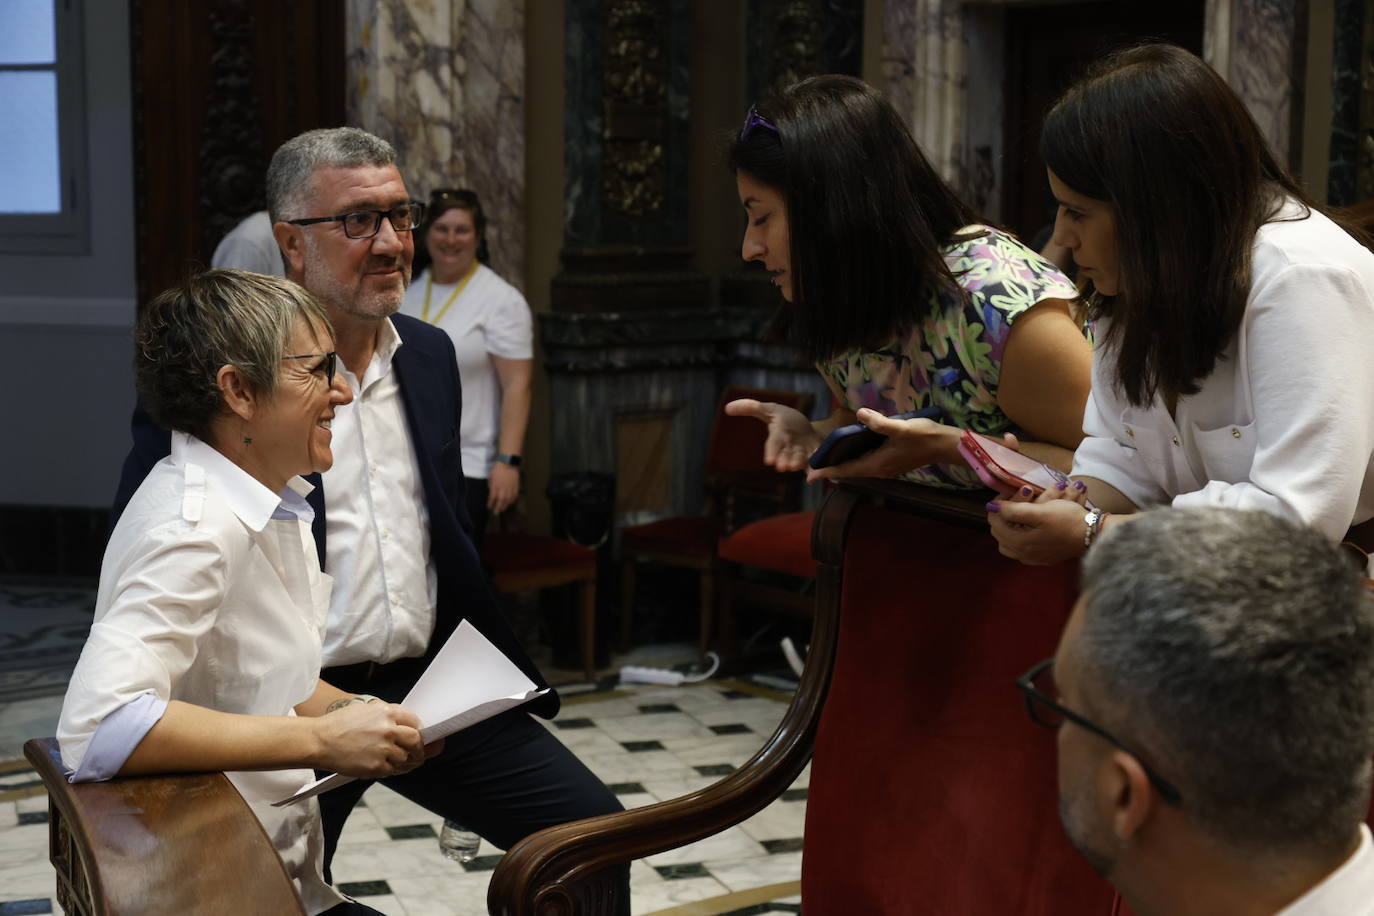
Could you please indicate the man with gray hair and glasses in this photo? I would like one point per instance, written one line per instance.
(1213, 693)
(389, 522)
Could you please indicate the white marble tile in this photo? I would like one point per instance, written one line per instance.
(362, 826)
(779, 821)
(636, 767)
(731, 749)
(31, 837)
(666, 788)
(653, 727)
(393, 861)
(24, 877)
(731, 711)
(636, 800)
(25, 719)
(587, 741)
(650, 898)
(387, 903)
(642, 873)
(729, 845)
(602, 709)
(34, 803)
(392, 810)
(740, 874)
(455, 893)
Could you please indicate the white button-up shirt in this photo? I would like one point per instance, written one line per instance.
(1347, 891)
(376, 524)
(1285, 422)
(206, 598)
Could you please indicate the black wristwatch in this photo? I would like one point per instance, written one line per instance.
(512, 460)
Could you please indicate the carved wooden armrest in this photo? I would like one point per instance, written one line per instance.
(572, 868)
(184, 843)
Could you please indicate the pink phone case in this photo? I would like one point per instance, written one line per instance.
(981, 463)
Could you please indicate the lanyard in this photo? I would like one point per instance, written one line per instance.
(429, 286)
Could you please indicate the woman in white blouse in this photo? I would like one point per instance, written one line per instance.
(1235, 356)
(205, 651)
(492, 331)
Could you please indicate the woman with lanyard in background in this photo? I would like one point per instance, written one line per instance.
(492, 332)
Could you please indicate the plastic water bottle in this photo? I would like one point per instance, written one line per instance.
(457, 842)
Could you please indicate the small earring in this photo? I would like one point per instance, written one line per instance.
(247, 440)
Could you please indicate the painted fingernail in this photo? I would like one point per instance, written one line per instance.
(1078, 485)
(993, 507)
(1060, 484)
(1025, 491)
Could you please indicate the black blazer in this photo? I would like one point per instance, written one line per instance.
(432, 394)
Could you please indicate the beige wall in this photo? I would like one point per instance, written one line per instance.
(1316, 126)
(543, 221)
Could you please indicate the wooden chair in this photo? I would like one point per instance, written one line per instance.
(778, 548)
(734, 472)
(528, 562)
(186, 843)
(930, 790)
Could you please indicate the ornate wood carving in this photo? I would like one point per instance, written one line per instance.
(217, 84)
(635, 168)
(790, 40)
(232, 161)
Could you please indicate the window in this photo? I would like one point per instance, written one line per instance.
(42, 169)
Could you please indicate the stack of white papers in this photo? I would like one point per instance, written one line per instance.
(468, 681)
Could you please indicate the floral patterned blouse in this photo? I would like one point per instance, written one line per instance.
(952, 358)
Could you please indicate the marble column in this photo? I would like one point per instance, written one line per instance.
(926, 46)
(1254, 45)
(923, 64)
(444, 81)
(1352, 123)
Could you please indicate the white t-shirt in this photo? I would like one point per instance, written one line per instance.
(251, 246)
(1285, 422)
(488, 318)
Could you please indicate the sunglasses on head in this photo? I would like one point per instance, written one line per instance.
(752, 120)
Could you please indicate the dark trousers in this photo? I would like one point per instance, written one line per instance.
(504, 778)
(352, 908)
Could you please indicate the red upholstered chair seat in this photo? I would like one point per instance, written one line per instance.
(527, 562)
(694, 535)
(511, 553)
(781, 544)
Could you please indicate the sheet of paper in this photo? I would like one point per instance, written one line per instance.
(468, 681)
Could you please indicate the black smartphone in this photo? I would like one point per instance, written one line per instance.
(849, 442)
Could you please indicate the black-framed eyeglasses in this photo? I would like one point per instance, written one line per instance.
(364, 224)
(1051, 714)
(752, 120)
(331, 362)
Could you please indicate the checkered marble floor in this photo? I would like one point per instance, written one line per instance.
(649, 743)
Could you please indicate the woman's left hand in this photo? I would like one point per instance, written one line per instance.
(1041, 533)
(503, 487)
(910, 444)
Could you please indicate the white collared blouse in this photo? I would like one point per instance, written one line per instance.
(1285, 422)
(206, 598)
